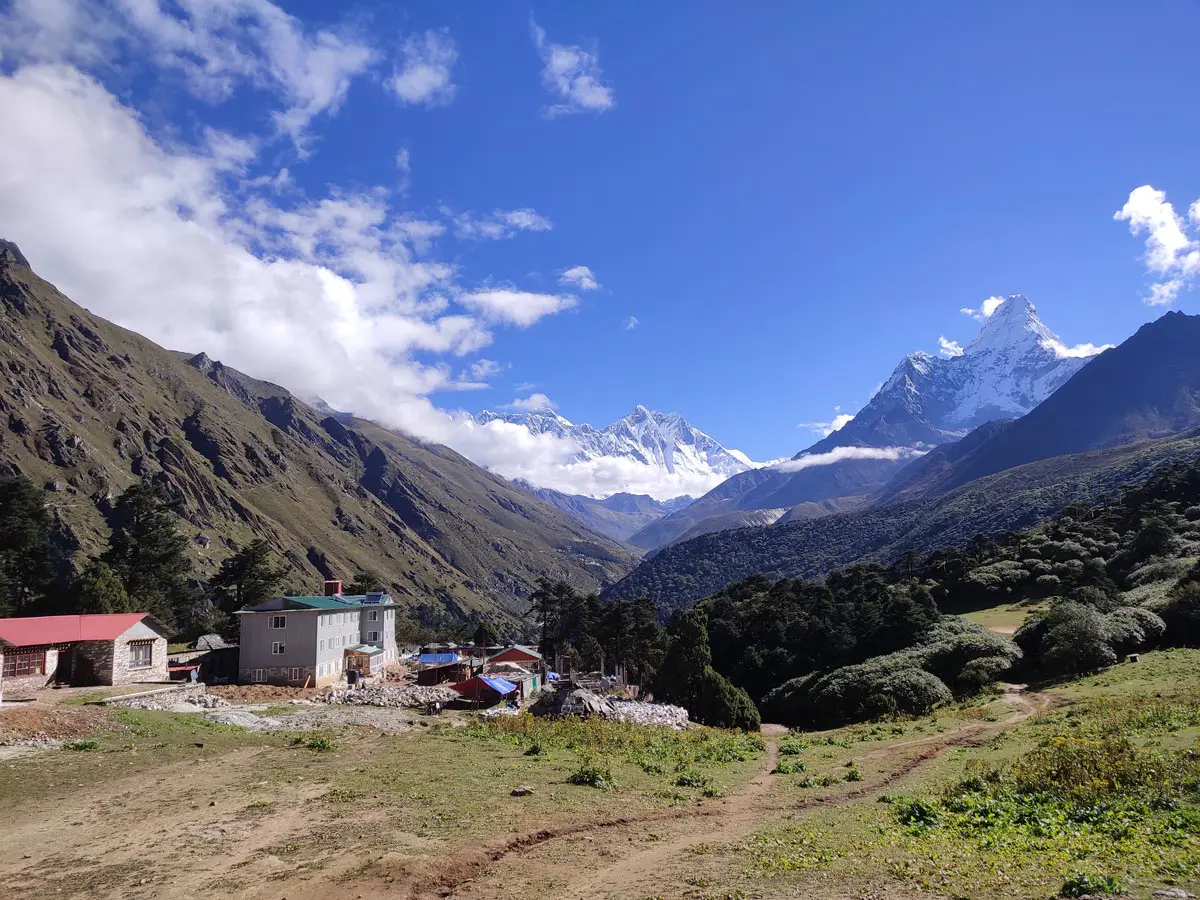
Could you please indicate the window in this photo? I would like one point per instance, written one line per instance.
(295, 674)
(17, 665)
(372, 637)
(322, 645)
(278, 648)
(373, 615)
(141, 655)
(259, 676)
(277, 622)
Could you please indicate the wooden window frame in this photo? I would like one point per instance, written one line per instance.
(13, 669)
(137, 646)
(272, 620)
(279, 648)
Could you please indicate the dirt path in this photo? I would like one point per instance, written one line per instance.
(638, 862)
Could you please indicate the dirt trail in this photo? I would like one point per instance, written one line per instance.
(738, 816)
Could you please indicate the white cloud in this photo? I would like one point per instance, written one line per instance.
(985, 311)
(839, 421)
(520, 308)
(838, 454)
(532, 402)
(485, 368)
(424, 74)
(948, 348)
(1169, 250)
(403, 170)
(580, 277)
(216, 45)
(498, 224)
(573, 74)
(324, 296)
(631, 323)
(1164, 292)
(1079, 351)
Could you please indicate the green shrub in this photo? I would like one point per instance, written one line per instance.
(789, 767)
(317, 741)
(592, 774)
(82, 746)
(916, 814)
(689, 778)
(1085, 885)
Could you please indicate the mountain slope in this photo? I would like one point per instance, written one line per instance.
(617, 517)
(1013, 364)
(1148, 387)
(91, 407)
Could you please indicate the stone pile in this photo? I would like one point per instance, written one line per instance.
(191, 701)
(640, 713)
(394, 695)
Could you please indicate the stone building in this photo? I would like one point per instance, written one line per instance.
(115, 648)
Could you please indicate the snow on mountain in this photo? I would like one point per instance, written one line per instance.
(666, 443)
(1012, 365)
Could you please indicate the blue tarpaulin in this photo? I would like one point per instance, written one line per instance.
(499, 685)
(437, 659)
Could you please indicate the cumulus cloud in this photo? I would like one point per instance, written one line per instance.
(580, 277)
(514, 307)
(948, 348)
(1079, 351)
(532, 402)
(838, 454)
(631, 323)
(573, 75)
(424, 73)
(1170, 253)
(485, 368)
(325, 296)
(217, 47)
(496, 225)
(989, 306)
(839, 421)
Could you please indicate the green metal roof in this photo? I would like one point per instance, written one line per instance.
(341, 603)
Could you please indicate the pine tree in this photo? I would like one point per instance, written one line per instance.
(486, 635)
(26, 551)
(99, 589)
(247, 578)
(149, 553)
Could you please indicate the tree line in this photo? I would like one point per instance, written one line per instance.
(144, 568)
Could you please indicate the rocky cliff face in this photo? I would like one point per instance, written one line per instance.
(88, 407)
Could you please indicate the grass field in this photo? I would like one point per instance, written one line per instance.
(1005, 618)
(1010, 795)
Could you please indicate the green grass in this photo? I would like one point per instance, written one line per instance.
(1005, 618)
(1101, 795)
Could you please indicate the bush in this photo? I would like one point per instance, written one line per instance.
(592, 774)
(316, 741)
(885, 685)
(82, 746)
(1086, 885)
(789, 767)
(724, 705)
(1181, 615)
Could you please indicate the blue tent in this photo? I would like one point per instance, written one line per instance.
(437, 659)
(501, 686)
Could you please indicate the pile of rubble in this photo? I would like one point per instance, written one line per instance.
(192, 701)
(641, 713)
(577, 701)
(409, 695)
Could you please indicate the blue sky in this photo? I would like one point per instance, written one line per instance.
(786, 197)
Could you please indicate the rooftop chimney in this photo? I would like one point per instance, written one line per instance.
(333, 588)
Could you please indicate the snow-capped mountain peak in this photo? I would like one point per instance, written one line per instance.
(665, 442)
(1013, 364)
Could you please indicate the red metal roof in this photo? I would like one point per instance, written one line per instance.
(32, 630)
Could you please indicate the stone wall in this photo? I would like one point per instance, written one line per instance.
(27, 684)
(122, 673)
(93, 662)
